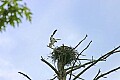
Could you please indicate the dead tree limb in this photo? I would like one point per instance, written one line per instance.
(79, 55)
(78, 78)
(80, 42)
(25, 75)
(99, 59)
(53, 78)
(77, 67)
(97, 74)
(104, 74)
(50, 66)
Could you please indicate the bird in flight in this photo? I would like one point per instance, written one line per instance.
(53, 40)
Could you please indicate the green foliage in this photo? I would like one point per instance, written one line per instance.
(11, 12)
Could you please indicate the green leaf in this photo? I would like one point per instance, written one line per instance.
(11, 12)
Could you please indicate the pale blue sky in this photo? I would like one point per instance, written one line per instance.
(21, 48)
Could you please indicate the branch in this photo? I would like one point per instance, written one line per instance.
(84, 49)
(116, 51)
(97, 74)
(25, 75)
(77, 67)
(85, 59)
(99, 59)
(80, 42)
(53, 78)
(79, 55)
(78, 78)
(50, 66)
(102, 75)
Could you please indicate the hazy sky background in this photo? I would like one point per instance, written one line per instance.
(21, 48)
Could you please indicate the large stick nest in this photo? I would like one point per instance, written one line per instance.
(64, 54)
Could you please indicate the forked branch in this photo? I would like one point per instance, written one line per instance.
(77, 67)
(80, 42)
(104, 74)
(97, 74)
(79, 55)
(50, 66)
(99, 59)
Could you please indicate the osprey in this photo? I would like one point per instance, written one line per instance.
(52, 40)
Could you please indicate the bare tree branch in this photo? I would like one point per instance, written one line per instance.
(79, 55)
(53, 78)
(116, 51)
(80, 42)
(25, 75)
(85, 59)
(99, 59)
(50, 66)
(102, 75)
(77, 67)
(78, 78)
(97, 74)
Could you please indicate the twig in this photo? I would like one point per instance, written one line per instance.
(79, 55)
(78, 78)
(97, 74)
(53, 78)
(80, 42)
(116, 51)
(77, 67)
(84, 49)
(25, 75)
(86, 59)
(102, 75)
(50, 66)
(99, 59)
